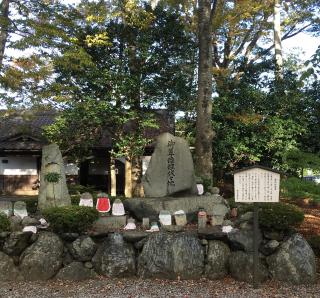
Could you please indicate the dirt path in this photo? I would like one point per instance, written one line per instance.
(138, 288)
(311, 224)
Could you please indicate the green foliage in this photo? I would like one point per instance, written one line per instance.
(253, 126)
(4, 223)
(299, 160)
(97, 60)
(32, 205)
(52, 177)
(280, 216)
(277, 216)
(207, 183)
(75, 189)
(295, 188)
(314, 242)
(231, 202)
(70, 219)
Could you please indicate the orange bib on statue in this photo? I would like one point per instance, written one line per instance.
(103, 203)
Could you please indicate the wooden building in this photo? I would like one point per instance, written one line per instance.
(21, 142)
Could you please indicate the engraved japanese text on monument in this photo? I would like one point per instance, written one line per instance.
(171, 163)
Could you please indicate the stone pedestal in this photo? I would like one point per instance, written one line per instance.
(109, 223)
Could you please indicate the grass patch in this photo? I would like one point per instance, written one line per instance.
(295, 188)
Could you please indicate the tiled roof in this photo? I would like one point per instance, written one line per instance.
(22, 130)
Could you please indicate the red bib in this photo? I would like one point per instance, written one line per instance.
(103, 205)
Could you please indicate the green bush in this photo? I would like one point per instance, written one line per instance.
(295, 188)
(277, 216)
(314, 242)
(232, 203)
(75, 199)
(4, 223)
(76, 189)
(32, 205)
(70, 219)
(280, 216)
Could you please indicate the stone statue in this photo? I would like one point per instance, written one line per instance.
(53, 190)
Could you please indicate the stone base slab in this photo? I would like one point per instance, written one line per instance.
(151, 207)
(109, 223)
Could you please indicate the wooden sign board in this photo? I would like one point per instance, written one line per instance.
(256, 184)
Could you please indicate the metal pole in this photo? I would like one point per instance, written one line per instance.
(255, 244)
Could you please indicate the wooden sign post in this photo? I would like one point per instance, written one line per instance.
(256, 184)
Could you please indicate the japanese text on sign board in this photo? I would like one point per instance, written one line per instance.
(256, 185)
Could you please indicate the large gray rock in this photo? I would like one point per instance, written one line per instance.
(269, 247)
(30, 221)
(218, 214)
(166, 255)
(8, 271)
(241, 267)
(217, 260)
(115, 257)
(16, 243)
(134, 236)
(105, 224)
(243, 239)
(83, 248)
(76, 271)
(43, 259)
(15, 223)
(170, 170)
(293, 262)
(53, 194)
(148, 207)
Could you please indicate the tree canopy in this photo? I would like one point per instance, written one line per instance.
(104, 62)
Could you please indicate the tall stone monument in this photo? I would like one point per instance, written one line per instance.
(53, 187)
(171, 169)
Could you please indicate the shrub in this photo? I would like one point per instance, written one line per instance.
(295, 188)
(314, 242)
(4, 223)
(280, 216)
(32, 205)
(75, 189)
(70, 219)
(75, 199)
(277, 216)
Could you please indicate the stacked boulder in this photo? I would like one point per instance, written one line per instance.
(183, 255)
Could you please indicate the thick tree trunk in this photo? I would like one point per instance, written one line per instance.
(204, 130)
(4, 26)
(277, 41)
(128, 179)
(113, 176)
(137, 188)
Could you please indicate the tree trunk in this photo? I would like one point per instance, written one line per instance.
(137, 188)
(277, 41)
(113, 176)
(128, 179)
(204, 130)
(4, 27)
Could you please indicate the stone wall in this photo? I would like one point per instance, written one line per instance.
(185, 255)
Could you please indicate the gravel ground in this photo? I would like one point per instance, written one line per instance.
(130, 287)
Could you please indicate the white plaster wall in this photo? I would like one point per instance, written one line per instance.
(18, 165)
